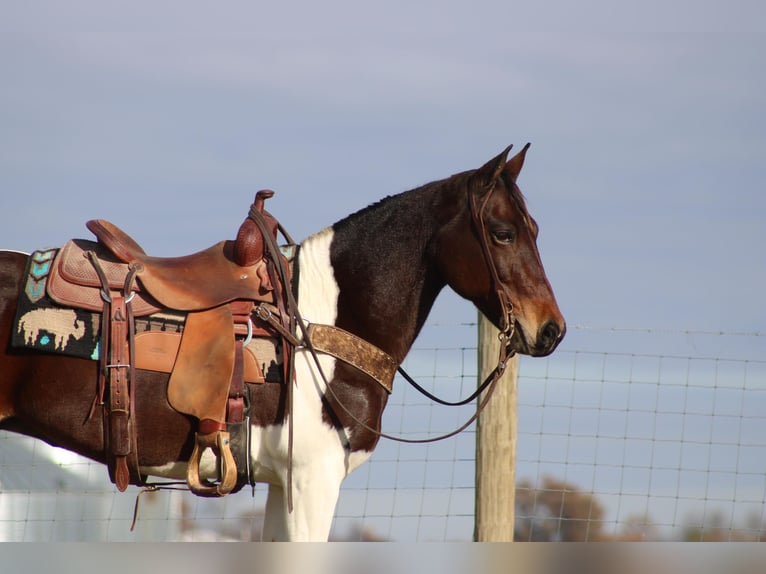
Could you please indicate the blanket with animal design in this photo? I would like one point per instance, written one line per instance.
(43, 325)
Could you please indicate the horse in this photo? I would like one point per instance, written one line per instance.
(375, 274)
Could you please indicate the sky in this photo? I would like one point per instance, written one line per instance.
(646, 120)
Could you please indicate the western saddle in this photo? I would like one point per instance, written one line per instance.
(227, 292)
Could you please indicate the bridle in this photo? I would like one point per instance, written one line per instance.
(296, 322)
(506, 331)
(508, 325)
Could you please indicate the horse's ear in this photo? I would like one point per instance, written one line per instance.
(488, 173)
(514, 165)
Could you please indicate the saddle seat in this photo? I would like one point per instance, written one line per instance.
(226, 272)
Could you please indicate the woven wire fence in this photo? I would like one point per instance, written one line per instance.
(624, 434)
(644, 435)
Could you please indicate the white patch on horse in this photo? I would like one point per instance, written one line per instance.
(321, 457)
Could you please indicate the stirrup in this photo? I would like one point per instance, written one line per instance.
(219, 442)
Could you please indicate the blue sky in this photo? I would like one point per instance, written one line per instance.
(646, 120)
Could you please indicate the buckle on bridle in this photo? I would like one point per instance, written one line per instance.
(507, 329)
(509, 324)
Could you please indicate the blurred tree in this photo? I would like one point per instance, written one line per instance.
(715, 528)
(637, 528)
(556, 511)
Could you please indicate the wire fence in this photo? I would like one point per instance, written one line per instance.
(643, 446)
(624, 434)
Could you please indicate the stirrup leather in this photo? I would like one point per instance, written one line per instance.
(219, 442)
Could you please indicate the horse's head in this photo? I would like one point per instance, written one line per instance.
(488, 254)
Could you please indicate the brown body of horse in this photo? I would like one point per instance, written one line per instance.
(375, 274)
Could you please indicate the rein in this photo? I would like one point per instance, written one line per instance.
(508, 323)
(505, 335)
(296, 321)
(436, 399)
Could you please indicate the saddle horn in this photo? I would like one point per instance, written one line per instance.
(249, 245)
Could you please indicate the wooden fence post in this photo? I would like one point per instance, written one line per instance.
(495, 445)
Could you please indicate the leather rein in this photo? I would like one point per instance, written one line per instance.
(296, 322)
(505, 333)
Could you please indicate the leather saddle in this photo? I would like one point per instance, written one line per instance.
(217, 289)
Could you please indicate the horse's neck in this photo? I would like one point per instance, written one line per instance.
(369, 274)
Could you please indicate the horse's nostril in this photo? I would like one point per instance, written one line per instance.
(550, 334)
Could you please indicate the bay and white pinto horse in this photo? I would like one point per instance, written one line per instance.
(375, 274)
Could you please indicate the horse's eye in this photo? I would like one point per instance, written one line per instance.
(504, 236)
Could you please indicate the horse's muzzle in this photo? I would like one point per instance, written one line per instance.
(548, 338)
